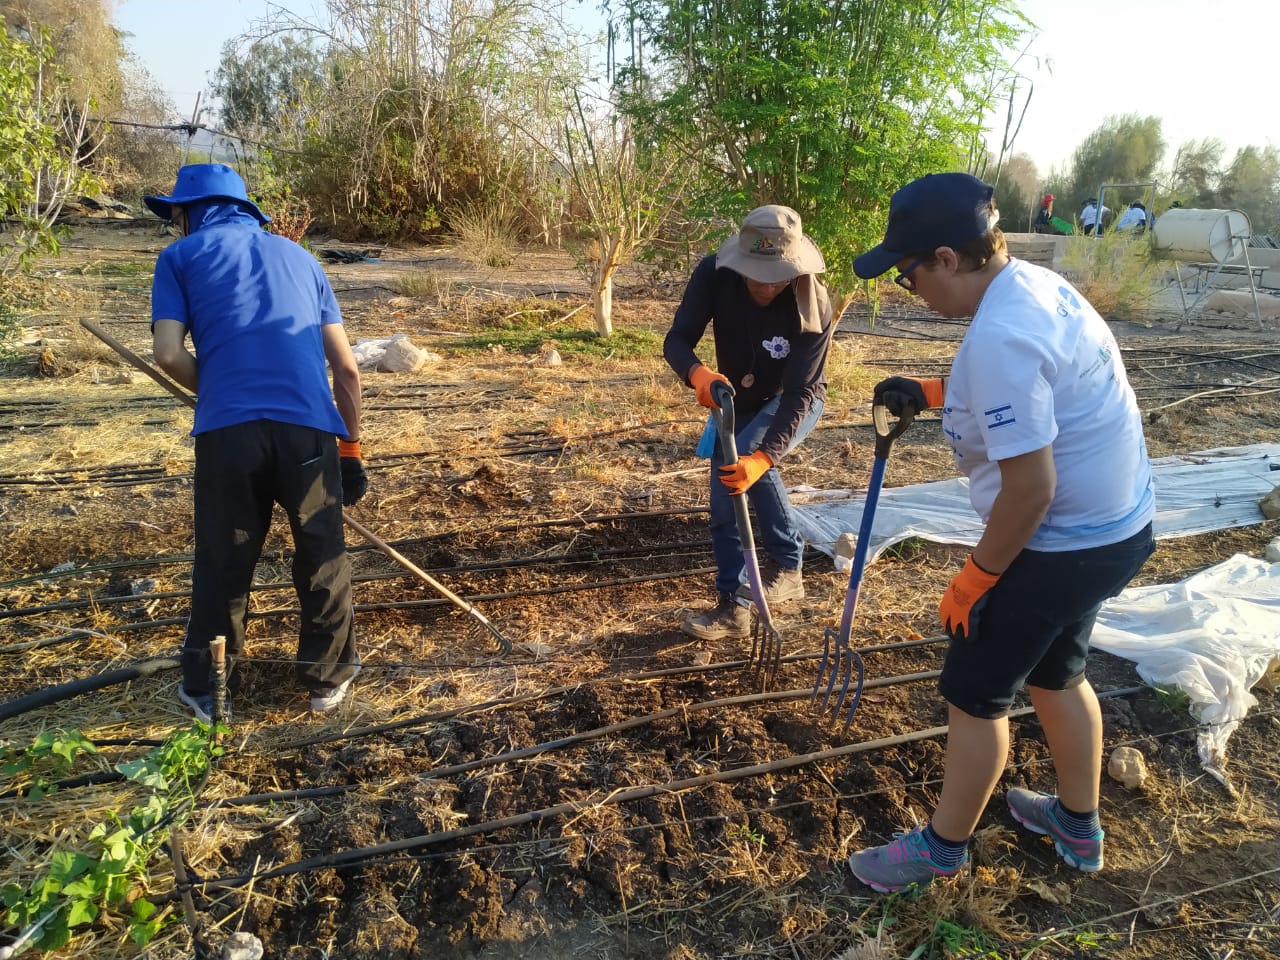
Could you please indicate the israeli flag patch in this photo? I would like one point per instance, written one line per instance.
(778, 347)
(999, 416)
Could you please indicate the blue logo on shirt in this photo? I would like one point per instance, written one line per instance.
(778, 347)
(999, 416)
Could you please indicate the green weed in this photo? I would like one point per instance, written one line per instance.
(1115, 272)
(620, 345)
(110, 873)
(49, 757)
(1174, 699)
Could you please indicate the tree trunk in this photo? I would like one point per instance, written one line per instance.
(602, 303)
(602, 284)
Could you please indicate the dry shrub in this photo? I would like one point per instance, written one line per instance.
(487, 234)
(1115, 272)
(290, 217)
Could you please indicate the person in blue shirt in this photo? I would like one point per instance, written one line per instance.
(264, 323)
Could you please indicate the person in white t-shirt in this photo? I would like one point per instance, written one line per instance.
(1092, 217)
(1134, 218)
(1042, 420)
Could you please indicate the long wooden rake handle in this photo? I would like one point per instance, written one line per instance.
(378, 543)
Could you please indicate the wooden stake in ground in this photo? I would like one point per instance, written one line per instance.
(378, 543)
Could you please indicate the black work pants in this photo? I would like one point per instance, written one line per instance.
(241, 471)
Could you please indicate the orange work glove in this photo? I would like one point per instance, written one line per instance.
(964, 599)
(899, 393)
(702, 377)
(741, 475)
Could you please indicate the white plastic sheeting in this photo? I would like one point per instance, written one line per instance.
(1195, 493)
(1212, 636)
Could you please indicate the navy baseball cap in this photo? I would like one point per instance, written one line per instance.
(937, 210)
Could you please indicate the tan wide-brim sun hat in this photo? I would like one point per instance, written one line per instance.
(771, 247)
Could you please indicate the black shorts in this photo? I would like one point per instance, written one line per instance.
(1035, 626)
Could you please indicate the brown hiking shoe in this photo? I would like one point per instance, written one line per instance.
(728, 619)
(779, 585)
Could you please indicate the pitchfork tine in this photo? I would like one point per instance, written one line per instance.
(766, 642)
(822, 667)
(844, 655)
(857, 693)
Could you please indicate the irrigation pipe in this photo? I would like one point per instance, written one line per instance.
(282, 555)
(503, 643)
(361, 855)
(65, 691)
(524, 753)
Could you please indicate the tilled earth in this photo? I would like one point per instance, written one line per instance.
(609, 788)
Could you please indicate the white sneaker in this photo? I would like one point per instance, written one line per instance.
(325, 702)
(202, 705)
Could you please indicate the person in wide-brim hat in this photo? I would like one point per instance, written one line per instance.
(198, 182)
(270, 428)
(1044, 425)
(772, 324)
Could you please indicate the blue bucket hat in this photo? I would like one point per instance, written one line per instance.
(937, 210)
(204, 181)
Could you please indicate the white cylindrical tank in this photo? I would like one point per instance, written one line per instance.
(1218, 236)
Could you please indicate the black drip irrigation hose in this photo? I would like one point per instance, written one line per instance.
(524, 753)
(644, 552)
(283, 556)
(361, 856)
(147, 625)
(65, 691)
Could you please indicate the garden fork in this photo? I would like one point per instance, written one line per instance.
(837, 653)
(766, 642)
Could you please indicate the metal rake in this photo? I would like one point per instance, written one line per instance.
(837, 653)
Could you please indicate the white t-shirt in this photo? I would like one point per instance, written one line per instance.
(1039, 367)
(1090, 214)
(1131, 218)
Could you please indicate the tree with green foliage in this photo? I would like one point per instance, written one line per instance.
(1197, 168)
(37, 165)
(626, 191)
(1018, 194)
(1122, 149)
(419, 108)
(825, 107)
(1252, 183)
(262, 85)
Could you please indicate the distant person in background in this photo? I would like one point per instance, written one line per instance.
(1091, 217)
(1134, 218)
(1043, 222)
(772, 324)
(265, 325)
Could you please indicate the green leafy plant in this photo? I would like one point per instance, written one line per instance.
(46, 758)
(111, 873)
(1115, 273)
(744, 832)
(1172, 698)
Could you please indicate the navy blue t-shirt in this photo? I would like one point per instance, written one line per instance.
(254, 304)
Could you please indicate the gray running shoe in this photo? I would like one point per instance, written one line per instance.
(1038, 812)
(728, 619)
(899, 864)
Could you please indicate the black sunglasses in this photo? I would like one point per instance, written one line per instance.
(904, 280)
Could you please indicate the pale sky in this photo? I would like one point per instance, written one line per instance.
(1207, 68)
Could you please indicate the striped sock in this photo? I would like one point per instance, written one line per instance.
(1082, 826)
(946, 854)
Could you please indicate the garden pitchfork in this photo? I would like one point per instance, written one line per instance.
(766, 642)
(836, 650)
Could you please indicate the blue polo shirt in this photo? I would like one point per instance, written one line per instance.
(254, 304)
